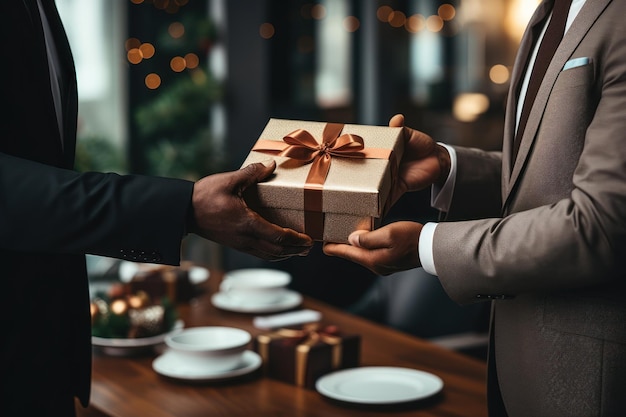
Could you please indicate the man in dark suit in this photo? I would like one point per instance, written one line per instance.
(538, 229)
(51, 216)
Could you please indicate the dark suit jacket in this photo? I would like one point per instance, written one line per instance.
(50, 216)
(551, 234)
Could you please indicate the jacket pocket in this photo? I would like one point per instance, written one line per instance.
(575, 74)
(594, 316)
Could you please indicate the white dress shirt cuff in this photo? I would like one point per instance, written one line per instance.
(425, 248)
(441, 197)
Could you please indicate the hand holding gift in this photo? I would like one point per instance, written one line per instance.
(394, 247)
(221, 215)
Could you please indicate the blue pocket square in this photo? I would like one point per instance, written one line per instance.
(576, 62)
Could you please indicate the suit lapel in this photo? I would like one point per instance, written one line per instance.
(68, 80)
(585, 19)
(525, 48)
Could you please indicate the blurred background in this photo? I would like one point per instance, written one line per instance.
(183, 88)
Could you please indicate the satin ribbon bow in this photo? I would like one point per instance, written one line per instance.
(304, 147)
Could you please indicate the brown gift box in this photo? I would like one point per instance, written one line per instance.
(301, 356)
(325, 183)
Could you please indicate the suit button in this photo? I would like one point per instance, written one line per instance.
(494, 296)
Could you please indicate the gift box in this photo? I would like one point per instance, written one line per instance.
(331, 178)
(301, 356)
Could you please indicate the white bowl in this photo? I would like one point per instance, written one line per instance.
(211, 348)
(255, 285)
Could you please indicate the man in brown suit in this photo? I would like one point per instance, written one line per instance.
(540, 233)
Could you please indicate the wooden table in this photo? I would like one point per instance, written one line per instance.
(129, 387)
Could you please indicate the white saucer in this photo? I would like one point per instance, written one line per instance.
(379, 385)
(123, 347)
(171, 365)
(290, 299)
(127, 271)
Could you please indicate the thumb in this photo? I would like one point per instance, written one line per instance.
(355, 238)
(253, 173)
(397, 121)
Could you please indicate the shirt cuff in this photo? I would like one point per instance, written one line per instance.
(441, 197)
(425, 248)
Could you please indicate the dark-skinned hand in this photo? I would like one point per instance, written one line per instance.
(220, 214)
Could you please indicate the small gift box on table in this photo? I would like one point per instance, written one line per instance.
(301, 356)
(331, 178)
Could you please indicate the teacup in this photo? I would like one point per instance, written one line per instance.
(209, 348)
(255, 285)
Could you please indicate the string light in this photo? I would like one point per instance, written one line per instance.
(446, 12)
(499, 74)
(351, 24)
(152, 81)
(176, 30)
(415, 23)
(383, 12)
(192, 60)
(177, 64)
(266, 30)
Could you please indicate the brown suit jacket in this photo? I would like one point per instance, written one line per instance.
(544, 236)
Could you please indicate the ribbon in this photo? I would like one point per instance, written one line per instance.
(300, 145)
(309, 336)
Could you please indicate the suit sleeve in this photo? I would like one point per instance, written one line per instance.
(45, 209)
(577, 241)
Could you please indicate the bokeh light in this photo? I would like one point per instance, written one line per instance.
(152, 81)
(468, 107)
(446, 12)
(397, 19)
(318, 11)
(176, 30)
(415, 23)
(499, 74)
(147, 50)
(434, 23)
(351, 24)
(266, 30)
(383, 13)
(177, 64)
(132, 43)
(134, 56)
(192, 60)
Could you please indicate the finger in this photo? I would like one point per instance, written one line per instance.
(275, 251)
(354, 238)
(397, 121)
(254, 173)
(349, 252)
(376, 239)
(276, 239)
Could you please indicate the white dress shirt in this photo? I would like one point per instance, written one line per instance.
(441, 197)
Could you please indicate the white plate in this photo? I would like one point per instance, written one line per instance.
(379, 385)
(118, 346)
(127, 271)
(170, 365)
(290, 299)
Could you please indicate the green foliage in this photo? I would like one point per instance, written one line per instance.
(173, 126)
(95, 153)
(179, 110)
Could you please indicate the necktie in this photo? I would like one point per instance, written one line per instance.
(551, 40)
